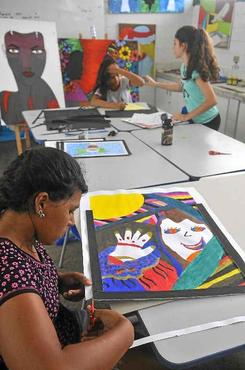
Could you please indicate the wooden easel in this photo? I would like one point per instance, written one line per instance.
(18, 128)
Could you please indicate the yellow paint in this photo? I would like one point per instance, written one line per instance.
(115, 205)
(226, 276)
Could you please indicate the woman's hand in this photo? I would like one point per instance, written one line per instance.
(71, 285)
(109, 318)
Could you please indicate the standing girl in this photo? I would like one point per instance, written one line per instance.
(199, 67)
(112, 85)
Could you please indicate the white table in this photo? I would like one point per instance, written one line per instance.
(224, 194)
(142, 168)
(189, 152)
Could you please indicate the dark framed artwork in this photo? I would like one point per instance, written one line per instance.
(160, 244)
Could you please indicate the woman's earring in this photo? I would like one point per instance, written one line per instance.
(40, 213)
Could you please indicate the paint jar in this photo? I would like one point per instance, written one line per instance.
(167, 130)
(93, 32)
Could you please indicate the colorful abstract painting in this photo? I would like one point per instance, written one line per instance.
(216, 17)
(145, 35)
(146, 6)
(124, 52)
(30, 69)
(87, 149)
(158, 244)
(71, 59)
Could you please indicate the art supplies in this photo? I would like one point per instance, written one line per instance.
(74, 119)
(143, 120)
(214, 152)
(129, 113)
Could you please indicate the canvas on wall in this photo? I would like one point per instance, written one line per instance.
(146, 6)
(158, 244)
(216, 17)
(145, 35)
(125, 53)
(30, 68)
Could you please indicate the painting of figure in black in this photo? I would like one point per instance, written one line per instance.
(26, 56)
(149, 3)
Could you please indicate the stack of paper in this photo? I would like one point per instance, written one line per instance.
(152, 120)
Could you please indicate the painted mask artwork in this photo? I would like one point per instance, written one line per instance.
(158, 245)
(26, 56)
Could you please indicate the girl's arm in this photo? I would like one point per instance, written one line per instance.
(28, 339)
(172, 86)
(96, 101)
(209, 102)
(134, 79)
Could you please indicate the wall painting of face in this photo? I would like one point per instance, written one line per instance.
(26, 55)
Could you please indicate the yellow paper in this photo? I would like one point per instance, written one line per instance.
(134, 106)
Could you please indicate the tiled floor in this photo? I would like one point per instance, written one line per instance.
(140, 358)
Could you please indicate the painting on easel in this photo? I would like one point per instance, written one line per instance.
(30, 68)
(158, 244)
(125, 54)
(71, 59)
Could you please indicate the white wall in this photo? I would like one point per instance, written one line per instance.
(166, 26)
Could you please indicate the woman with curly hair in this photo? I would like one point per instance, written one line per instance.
(199, 67)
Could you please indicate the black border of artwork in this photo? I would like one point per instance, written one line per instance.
(99, 294)
(124, 144)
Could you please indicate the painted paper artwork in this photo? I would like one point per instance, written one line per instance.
(30, 69)
(146, 6)
(96, 148)
(125, 54)
(145, 35)
(71, 58)
(160, 244)
(216, 18)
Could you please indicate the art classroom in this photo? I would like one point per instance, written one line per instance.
(122, 174)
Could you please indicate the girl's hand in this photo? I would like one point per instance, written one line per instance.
(113, 68)
(71, 285)
(180, 117)
(120, 106)
(149, 81)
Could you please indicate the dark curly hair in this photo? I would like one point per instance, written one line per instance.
(201, 52)
(39, 170)
(103, 77)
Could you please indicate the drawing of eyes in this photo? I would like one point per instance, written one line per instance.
(37, 51)
(13, 50)
(198, 228)
(171, 230)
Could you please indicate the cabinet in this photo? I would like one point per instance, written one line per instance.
(240, 134)
(222, 104)
(169, 101)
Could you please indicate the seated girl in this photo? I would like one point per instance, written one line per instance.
(112, 85)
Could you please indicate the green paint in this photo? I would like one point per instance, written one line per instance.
(202, 267)
(208, 5)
